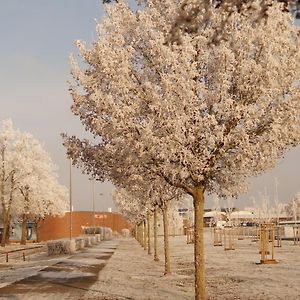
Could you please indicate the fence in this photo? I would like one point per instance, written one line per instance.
(19, 254)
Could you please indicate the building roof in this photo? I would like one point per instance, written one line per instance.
(214, 213)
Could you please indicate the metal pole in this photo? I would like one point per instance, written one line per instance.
(93, 186)
(103, 227)
(101, 194)
(70, 198)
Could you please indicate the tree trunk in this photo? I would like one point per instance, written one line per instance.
(136, 232)
(24, 231)
(155, 235)
(198, 197)
(166, 240)
(141, 237)
(37, 224)
(7, 230)
(148, 234)
(141, 234)
(4, 230)
(145, 235)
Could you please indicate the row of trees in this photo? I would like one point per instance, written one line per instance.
(29, 189)
(139, 203)
(193, 117)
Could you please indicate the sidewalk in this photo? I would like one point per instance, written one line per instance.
(63, 277)
(133, 274)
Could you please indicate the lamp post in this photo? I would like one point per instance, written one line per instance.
(70, 193)
(93, 189)
(103, 224)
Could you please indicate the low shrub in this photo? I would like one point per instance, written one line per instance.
(57, 247)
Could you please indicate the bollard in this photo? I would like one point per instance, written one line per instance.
(23, 256)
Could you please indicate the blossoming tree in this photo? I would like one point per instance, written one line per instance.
(203, 116)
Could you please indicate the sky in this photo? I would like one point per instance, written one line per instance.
(37, 36)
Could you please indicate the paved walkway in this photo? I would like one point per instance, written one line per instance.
(66, 278)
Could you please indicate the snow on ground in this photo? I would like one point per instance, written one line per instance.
(235, 274)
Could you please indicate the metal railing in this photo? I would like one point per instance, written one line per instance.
(19, 253)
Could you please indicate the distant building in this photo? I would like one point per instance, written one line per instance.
(16, 232)
(52, 228)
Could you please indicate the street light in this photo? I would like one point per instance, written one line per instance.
(103, 225)
(93, 198)
(70, 193)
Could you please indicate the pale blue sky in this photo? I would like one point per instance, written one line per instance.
(36, 38)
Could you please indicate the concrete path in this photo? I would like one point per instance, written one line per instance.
(69, 278)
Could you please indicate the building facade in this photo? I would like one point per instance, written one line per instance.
(53, 228)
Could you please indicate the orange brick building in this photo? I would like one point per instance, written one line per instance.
(53, 228)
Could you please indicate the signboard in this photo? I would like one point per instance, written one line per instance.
(101, 216)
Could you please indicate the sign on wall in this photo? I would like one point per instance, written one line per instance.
(101, 216)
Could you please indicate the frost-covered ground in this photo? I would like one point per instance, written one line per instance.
(16, 269)
(132, 274)
(57, 277)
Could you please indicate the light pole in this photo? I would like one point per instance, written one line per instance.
(101, 194)
(70, 193)
(93, 190)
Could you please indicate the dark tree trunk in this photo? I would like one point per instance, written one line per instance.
(148, 233)
(155, 235)
(4, 231)
(7, 230)
(145, 235)
(24, 230)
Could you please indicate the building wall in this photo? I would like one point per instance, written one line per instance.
(52, 228)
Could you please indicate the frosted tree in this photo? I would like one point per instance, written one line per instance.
(278, 206)
(203, 116)
(175, 218)
(194, 15)
(133, 209)
(150, 196)
(166, 197)
(294, 207)
(29, 188)
(8, 139)
(41, 193)
(229, 209)
(217, 209)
